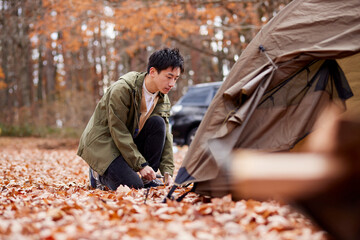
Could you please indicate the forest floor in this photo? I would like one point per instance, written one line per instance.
(44, 194)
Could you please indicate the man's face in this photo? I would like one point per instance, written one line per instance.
(166, 79)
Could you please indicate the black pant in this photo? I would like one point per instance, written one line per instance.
(150, 143)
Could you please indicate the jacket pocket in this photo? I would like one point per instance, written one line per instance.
(95, 133)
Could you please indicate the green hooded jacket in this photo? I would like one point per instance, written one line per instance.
(111, 128)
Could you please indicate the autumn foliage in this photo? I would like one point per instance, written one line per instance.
(44, 194)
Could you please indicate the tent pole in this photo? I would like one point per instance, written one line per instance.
(169, 195)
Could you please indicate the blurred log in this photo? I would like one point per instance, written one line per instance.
(323, 181)
(287, 176)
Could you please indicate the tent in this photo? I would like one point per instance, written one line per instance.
(305, 59)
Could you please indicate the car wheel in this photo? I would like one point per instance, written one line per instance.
(190, 136)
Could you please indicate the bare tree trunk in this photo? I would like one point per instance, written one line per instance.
(6, 103)
(25, 54)
(40, 75)
(50, 76)
(68, 71)
(77, 75)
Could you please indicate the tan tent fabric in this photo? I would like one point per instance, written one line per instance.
(351, 67)
(302, 42)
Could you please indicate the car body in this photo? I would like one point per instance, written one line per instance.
(188, 112)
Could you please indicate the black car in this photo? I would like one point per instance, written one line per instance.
(188, 112)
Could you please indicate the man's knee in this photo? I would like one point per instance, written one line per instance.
(120, 173)
(156, 122)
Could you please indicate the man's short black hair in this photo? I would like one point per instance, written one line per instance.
(164, 58)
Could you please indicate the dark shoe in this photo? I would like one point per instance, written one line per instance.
(94, 180)
(153, 183)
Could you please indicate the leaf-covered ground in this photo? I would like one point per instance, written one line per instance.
(45, 195)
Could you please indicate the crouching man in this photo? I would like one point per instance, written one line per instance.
(128, 132)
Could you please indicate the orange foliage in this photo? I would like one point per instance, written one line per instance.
(66, 18)
(45, 195)
(140, 23)
(2, 75)
(2, 84)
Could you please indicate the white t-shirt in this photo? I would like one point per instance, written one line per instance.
(149, 98)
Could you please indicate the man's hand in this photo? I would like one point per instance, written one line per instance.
(148, 173)
(170, 181)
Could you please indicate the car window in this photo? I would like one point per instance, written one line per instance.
(215, 91)
(196, 96)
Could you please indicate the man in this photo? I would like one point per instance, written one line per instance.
(128, 132)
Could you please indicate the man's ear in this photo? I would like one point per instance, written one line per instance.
(153, 72)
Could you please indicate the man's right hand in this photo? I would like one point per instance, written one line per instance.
(148, 173)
